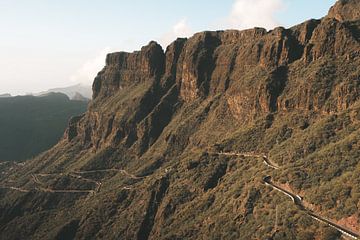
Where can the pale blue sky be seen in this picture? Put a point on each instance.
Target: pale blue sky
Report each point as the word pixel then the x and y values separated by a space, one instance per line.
pixel 46 44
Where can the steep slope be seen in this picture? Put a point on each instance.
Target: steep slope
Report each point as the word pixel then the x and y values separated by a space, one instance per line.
pixel 152 158
pixel 30 125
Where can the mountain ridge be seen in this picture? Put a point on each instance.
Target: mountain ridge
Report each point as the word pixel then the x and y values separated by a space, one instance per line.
pixel 5 95
pixel 154 132
pixel 70 91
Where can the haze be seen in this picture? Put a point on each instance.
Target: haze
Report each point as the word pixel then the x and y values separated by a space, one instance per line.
pixel 49 44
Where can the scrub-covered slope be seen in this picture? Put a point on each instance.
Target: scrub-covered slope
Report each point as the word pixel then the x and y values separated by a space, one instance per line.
pixel 173 143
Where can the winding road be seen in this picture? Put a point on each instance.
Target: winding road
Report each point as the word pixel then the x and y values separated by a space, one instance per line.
pixel 13 163
pixel 299 203
pixel 297 200
pixel 42 187
pixel 15 188
pixel 266 160
pixel 123 171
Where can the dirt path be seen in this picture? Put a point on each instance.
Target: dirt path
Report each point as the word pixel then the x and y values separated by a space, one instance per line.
pixel 42 187
pixel 15 188
pixel 266 160
pixel 297 200
pixel 123 171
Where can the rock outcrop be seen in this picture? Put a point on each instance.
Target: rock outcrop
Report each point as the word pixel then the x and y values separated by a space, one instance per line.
pixel 125 69
pixel 345 10
pixel 255 70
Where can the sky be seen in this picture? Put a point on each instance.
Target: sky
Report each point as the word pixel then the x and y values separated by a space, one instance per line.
pixel 47 44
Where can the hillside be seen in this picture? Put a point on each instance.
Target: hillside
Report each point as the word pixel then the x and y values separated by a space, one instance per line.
pixel 30 125
pixel 226 135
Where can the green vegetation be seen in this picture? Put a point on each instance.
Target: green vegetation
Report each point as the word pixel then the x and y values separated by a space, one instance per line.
pixel 30 125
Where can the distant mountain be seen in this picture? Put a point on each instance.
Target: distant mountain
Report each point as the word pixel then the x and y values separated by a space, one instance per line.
pixel 80 97
pixel 5 95
pixel 71 91
pixel 30 125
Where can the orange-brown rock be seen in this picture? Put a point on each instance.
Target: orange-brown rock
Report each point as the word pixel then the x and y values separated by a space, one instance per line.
pixel 345 10
pixel 257 72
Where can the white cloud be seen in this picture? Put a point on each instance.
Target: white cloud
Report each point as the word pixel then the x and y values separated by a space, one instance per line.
pixel 254 13
pixel 180 29
pixel 87 72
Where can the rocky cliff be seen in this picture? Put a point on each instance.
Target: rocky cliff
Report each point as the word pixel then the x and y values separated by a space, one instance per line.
pixel 145 161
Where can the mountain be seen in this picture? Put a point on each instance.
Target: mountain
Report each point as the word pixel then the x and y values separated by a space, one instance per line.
pixel 30 125
pixel 71 91
pixel 5 95
pixel 79 97
pixel 226 135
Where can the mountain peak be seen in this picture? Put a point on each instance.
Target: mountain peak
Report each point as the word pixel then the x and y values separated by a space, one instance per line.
pixel 345 10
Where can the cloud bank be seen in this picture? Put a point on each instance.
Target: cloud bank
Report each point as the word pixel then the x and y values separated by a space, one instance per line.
pixel 244 14
pixel 180 29
pixel 254 13
pixel 87 72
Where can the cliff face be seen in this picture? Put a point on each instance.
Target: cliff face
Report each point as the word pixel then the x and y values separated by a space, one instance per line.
pixel 148 146
pixel 345 10
pixel 125 69
pixel 256 72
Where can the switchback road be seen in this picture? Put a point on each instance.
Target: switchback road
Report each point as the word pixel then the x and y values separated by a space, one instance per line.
pixel 297 200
